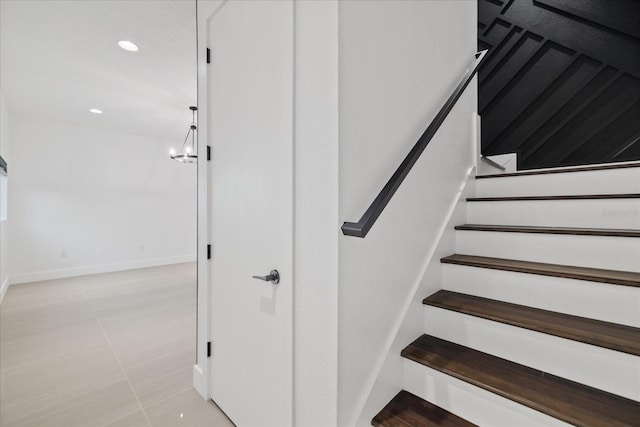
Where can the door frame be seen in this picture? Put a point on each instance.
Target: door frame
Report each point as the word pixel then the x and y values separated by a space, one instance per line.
pixel 204 10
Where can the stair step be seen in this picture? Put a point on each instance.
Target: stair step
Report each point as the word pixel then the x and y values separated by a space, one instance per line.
pixel 616 212
pixel 563 399
pixel 595 332
pixel 588 247
pixel 551 230
pixel 625 278
pixel 624 179
pixel 602 301
pixel 561 197
pixel 407 409
pixel 563 170
pixel 605 369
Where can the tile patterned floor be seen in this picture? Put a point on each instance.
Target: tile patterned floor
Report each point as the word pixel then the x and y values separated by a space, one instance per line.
pixel 112 349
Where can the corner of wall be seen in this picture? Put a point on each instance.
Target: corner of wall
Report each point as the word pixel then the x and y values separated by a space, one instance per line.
pixel 316 216
pixel 200 381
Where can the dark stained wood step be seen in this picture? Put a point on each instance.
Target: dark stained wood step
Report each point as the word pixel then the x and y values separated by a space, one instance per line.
pixel 566 400
pixel 625 278
pixel 568 197
pixel 595 332
pixel 407 409
pixel 551 230
pixel 562 170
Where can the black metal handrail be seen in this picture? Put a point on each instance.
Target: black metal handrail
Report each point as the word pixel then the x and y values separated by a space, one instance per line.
pixel 362 227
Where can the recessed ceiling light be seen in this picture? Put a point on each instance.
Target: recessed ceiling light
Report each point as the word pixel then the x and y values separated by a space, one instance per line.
pixel 127 45
pixel 95 111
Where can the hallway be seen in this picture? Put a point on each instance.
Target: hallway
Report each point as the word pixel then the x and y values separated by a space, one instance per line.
pixel 112 349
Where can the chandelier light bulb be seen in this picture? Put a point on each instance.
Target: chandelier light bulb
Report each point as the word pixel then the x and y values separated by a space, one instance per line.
pixel 188 149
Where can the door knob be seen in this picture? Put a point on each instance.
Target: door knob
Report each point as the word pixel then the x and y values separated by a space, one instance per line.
pixel 273 277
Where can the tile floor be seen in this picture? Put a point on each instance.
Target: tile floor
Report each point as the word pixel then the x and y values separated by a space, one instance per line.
pixel 112 349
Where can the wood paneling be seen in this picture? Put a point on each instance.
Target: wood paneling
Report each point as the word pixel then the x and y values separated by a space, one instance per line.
pixel 561 84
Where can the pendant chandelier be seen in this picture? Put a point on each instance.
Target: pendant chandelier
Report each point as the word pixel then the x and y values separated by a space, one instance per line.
pixel 188 151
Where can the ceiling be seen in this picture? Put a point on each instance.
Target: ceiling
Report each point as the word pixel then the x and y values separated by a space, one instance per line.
pixel 60 58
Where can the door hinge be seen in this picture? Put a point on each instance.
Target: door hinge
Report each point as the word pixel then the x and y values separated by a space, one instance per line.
pixel 208 56
pixel 208 152
pixel 208 348
pixel 208 251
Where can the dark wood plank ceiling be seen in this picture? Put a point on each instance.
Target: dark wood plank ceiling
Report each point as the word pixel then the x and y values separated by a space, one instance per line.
pixel 561 83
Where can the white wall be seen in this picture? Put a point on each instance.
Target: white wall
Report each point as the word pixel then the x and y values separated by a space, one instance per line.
pixel 4 225
pixel 317 223
pixel 399 61
pixel 84 200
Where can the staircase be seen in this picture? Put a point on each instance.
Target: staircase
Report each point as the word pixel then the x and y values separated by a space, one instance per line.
pixel 538 319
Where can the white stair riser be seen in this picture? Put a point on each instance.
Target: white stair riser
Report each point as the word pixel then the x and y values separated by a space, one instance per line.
pixel 598 367
pixel 591 213
pixel 601 301
pixel 472 403
pixel 626 180
pixel 614 253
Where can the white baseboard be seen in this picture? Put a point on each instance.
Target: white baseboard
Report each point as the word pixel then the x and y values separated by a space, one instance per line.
pixel 97 269
pixel 3 288
pixel 200 381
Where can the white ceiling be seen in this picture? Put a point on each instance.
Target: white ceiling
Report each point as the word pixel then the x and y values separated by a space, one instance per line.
pixel 59 58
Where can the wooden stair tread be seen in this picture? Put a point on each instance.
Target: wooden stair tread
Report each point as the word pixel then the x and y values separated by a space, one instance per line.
pixel 561 197
pixel 407 409
pixel 562 170
pixel 595 332
pixel 551 230
pixel 566 400
pixel 625 278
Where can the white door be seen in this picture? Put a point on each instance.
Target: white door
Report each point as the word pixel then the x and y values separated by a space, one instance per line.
pixel 250 122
